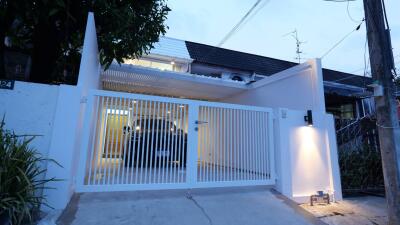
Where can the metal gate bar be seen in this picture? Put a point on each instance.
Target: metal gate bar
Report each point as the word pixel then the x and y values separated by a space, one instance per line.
pixel 138 142
pixel 233 145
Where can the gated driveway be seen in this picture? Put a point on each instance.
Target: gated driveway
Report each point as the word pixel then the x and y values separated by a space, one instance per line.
pixel 216 206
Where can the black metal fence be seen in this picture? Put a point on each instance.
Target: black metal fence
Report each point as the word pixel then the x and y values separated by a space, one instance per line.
pixel 359 156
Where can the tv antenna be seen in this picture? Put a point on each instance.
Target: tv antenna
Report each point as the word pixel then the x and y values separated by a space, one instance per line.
pixel 299 52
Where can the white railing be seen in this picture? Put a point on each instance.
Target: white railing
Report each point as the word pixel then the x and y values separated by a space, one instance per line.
pixel 233 145
pixel 134 141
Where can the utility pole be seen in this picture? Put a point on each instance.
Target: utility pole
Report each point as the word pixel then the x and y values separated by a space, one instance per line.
pixel 381 59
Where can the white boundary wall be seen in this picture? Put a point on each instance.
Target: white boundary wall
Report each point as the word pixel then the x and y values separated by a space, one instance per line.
pixel 50 111
pixel 30 109
pixel 306 157
pixel 299 88
pixel 63 146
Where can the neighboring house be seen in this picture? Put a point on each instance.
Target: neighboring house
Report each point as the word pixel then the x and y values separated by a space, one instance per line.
pixel 185 116
pixel 346 96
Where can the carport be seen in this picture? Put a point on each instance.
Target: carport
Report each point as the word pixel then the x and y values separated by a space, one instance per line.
pixel 140 139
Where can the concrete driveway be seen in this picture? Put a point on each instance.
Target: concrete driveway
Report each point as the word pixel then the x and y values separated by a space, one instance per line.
pixel 217 206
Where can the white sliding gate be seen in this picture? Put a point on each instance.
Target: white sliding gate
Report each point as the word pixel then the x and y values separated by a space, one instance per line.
pixel 138 142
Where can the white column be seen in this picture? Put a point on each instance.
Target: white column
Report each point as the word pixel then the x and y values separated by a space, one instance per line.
pixel 192 144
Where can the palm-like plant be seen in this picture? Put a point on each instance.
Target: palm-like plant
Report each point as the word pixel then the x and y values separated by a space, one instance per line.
pixel 21 177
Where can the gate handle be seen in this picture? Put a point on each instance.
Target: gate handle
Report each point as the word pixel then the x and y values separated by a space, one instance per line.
pixel 201 122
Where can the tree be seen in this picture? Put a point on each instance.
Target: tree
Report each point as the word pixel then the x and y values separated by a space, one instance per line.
pixel 8 14
pixel 54 31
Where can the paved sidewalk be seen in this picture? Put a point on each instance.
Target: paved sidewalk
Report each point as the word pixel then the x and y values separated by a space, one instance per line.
pixel 367 210
pixel 218 206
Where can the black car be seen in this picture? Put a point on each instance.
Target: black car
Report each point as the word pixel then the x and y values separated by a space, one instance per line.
pixel 155 142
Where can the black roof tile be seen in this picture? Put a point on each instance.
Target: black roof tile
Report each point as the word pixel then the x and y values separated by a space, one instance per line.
pixel 260 64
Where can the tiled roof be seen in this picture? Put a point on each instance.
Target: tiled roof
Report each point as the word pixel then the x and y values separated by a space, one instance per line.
pixel 260 64
pixel 345 78
pixel 171 47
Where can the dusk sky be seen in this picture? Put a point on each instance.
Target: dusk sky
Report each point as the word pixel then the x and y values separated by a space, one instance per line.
pixel 320 24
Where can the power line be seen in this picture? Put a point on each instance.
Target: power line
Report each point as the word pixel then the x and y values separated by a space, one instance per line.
pixel 349 14
pixel 385 15
pixel 365 68
pixel 341 40
pixel 256 12
pixel 242 21
pixel 366 64
pixel 233 30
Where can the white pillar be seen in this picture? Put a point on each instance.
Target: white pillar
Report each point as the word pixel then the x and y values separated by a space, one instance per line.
pixel 192 143
pixel 68 122
pixel 89 70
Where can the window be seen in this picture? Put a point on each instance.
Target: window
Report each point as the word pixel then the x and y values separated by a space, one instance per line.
pixel 342 111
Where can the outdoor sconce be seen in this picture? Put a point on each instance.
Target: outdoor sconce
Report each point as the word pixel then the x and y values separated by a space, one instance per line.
pixel 309 118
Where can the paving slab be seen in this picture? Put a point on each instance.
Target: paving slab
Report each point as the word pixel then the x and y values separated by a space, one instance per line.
pixel 366 210
pixel 216 206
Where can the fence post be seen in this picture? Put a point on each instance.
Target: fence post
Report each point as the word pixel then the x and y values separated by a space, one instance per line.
pixel 191 166
pixel 271 145
pixel 87 108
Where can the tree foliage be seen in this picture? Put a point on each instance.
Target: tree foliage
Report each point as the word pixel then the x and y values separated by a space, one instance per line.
pixel 360 168
pixel 52 31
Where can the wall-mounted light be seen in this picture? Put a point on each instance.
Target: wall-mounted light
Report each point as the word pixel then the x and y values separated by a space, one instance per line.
pixel 308 118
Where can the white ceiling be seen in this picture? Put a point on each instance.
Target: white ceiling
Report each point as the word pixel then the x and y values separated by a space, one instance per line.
pixel 129 78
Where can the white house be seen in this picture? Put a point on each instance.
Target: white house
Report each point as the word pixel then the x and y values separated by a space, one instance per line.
pixel 150 124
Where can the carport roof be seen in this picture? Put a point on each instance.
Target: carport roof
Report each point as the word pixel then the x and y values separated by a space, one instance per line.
pixel 130 78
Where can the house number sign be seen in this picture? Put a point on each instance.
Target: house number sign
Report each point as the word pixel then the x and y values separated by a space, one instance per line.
pixel 7 84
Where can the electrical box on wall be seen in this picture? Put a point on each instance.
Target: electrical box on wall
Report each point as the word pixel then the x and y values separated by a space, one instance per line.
pixel 378 89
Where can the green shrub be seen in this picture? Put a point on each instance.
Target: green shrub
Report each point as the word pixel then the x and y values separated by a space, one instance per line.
pixel 360 168
pixel 21 177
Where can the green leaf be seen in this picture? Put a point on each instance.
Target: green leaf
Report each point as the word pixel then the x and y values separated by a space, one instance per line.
pixel 20 176
pixel 53 11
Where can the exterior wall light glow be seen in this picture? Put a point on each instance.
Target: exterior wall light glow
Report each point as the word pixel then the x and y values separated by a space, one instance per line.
pixel 309 118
